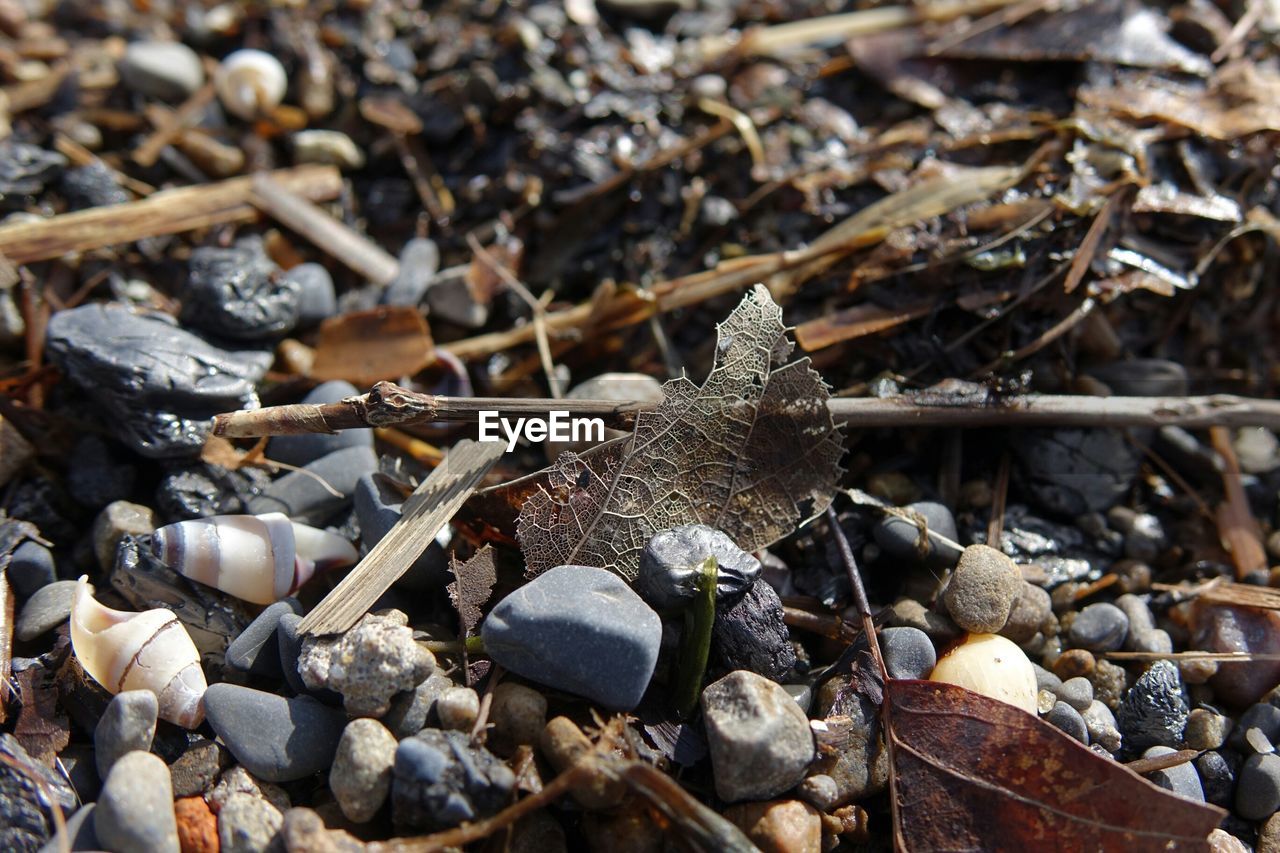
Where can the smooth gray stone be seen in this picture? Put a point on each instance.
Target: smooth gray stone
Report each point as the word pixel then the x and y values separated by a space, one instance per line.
pixel 127 725
pixel 668 575
pixel 899 537
pixel 80 834
pixel 1181 779
pixel 161 69
pixel 48 608
pixel 419 261
pixel 317 300
pixel 276 739
pixel 1067 719
pixel 299 496
pixel 1262 716
pixel 1099 628
pixel 257 649
pixel 302 450
pixel 30 568
pixel 578 629
pixel 908 652
pixel 758 737
pixel 135 808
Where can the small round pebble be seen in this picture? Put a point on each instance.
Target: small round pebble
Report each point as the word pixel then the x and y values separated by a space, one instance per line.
pixel 317 299
pixel 1031 609
pixel 458 708
pixel 982 590
pixel 361 774
pixel 1073 663
pixel 1068 720
pixel 48 608
pixel 128 724
pixel 135 808
pixel 1076 692
pixel 1109 682
pixel 197 826
pixel 783 825
pixel 30 568
pixel 248 824
pixel 1101 724
pixel 1099 628
pixel 161 69
pixel 257 648
pixel 1046 680
pixel 1206 730
pixel 1218 776
pixel 901 538
pixel 1258 792
pixel 1262 716
pixel 410 711
pixel 1181 779
pixel 908 652
pixel 419 261
pixel 518 714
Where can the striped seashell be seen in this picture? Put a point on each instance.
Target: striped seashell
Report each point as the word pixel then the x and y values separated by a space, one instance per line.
pixel 256 558
pixel 150 650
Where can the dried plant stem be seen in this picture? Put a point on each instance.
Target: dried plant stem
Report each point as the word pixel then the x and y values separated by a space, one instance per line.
pixel 388 405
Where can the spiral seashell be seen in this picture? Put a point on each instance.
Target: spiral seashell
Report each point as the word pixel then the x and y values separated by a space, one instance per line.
pixel 256 558
pixel 250 83
pixel 150 650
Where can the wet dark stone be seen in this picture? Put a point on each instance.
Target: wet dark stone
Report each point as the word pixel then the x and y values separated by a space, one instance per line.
pixel 98 473
pixel 751 635
pixel 441 780
pixel 204 490
pixel 30 568
pixel 1154 712
pixel 155 385
pixel 668 575
pixel 24 170
pixel 239 293
pixel 1073 471
pixel 1218 772
pixel 94 185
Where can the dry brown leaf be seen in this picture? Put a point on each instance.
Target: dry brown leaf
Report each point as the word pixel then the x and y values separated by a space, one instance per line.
pixel 367 346
pixel 41 728
pixel 472 585
pixel 753 451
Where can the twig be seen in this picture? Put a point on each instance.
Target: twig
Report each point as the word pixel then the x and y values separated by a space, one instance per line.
pixel 169 124
pixel 388 404
pixel 166 212
pixel 859 593
pixel 356 251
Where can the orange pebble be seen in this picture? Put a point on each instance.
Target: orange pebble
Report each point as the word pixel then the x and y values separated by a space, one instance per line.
pixel 197 827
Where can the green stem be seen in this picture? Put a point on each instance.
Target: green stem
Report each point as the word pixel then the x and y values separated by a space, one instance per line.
pixel 475 646
pixel 695 641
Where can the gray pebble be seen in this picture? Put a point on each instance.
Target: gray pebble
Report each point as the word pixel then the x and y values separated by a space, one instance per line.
pixel 30 568
pixel 289 638
pixel 578 629
pixel 316 297
pixel 167 70
pixel 1143 634
pixel 299 496
pixel 1031 610
pixel 361 774
pixel 410 712
pixel 758 737
pixel 1099 628
pixel 1153 712
pixel 450 299
pixel 1262 716
pixel 802 693
pixel 1258 792
pixel 1206 730
pixel 135 808
pixel 440 780
pixel 1068 719
pixel 1070 472
pixel 908 652
pixel 982 589
pixel 518 714
pixel 195 770
pixel 249 824
pixel 128 724
pixel 1046 680
pixel 668 574
pixel 48 608
pixel 1101 724
pixel 1076 692
pixel 901 538
pixel 257 648
pixel 1218 776
pixel 458 708
pixel 419 261
pixel 275 738
pixel 302 450
pixel 1181 779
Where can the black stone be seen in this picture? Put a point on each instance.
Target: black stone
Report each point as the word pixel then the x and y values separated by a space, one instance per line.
pixel 751 635
pixel 98 473
pixel 1218 776
pixel 204 490
pixel 1154 711
pixel 239 293
pixel 1073 471
pixel 440 780
pixel 94 185
pixel 1263 716
pixel 901 539
pixel 24 170
pixel 30 569
pixel 669 566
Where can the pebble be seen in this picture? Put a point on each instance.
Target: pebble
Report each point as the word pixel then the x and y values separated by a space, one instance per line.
pixel 1068 719
pixel 48 608
pixel 196 769
pixel 112 524
pixel 361 774
pixel 982 589
pixel 167 70
pixel 419 262
pixel 758 737
pixel 450 299
pixel 1109 682
pixel 378 506
pixel 781 826
pixel 668 576
pixel 458 708
pixel 410 712
pixel 1222 841
pixel 1143 634
pixel 860 767
pixel 1239 629
pixel 1099 628
pixel 256 649
pixel 302 450
pixel 908 652
pixel 238 292
pixel 1144 377
pixel 751 634
pixel 197 826
pixel 1257 449
pixel 1262 716
pixel 247 824
pixel 578 629
pixel 1154 712
pixel 900 538
pixel 440 780
pixel 563 744
pixel 238 780
pixel 299 496
pixel 909 613
pixel 135 808
pixel 1070 472
pixel 330 147
pixel 991 665
pixel 1030 612
pixel 79 833
pixel 1046 680
pixel 1076 692
pixel 1181 779
pixel 304 832
pixel 1218 776
pixel 1101 724
pixel 275 738
pixel 93 185
pixel 30 568
pixel 127 725
pixel 367 665
pixel 1258 792
pixel 158 406
pixel 518 715
pixel 1206 730
pixel 317 299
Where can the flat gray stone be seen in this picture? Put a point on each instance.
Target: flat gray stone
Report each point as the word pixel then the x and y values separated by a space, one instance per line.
pixel 301 497
pixel 581 630
pixel 135 808
pixel 1181 779
pixel 128 724
pixel 759 738
pixel 30 568
pixel 45 610
pixel 275 738
pixel 257 648
pixel 167 70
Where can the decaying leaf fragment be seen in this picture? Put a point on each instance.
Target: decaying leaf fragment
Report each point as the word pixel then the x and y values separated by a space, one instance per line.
pixel 471 587
pixel 972 773
pixel 753 451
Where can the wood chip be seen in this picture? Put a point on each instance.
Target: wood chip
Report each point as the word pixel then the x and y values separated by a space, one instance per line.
pixel 367 346
pixel 426 512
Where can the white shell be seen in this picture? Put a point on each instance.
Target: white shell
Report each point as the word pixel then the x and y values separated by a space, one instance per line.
pixel 257 558
pixel 139 651
pixel 250 83
pixel 993 666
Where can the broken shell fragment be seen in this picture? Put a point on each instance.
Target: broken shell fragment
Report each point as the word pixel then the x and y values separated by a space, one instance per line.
pixel 250 83
pixel 991 665
pixel 150 650
pixel 256 558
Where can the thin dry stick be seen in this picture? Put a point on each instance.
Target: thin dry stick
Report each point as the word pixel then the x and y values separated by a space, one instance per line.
pixel 388 404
